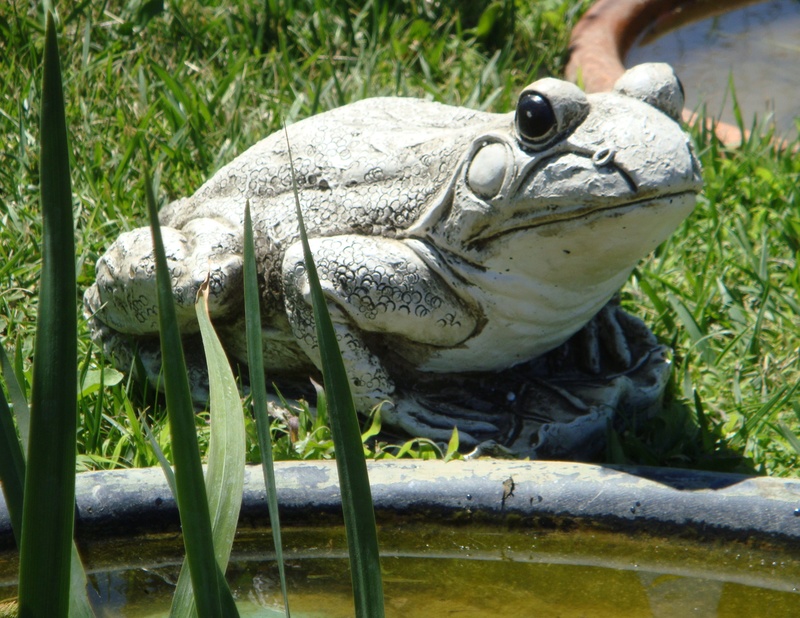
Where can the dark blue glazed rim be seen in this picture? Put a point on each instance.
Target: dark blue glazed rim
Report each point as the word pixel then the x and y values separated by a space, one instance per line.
pixel 662 501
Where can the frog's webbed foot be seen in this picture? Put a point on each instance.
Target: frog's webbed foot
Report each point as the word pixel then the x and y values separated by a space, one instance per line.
pixel 612 342
pixel 613 370
pixel 604 341
pixel 417 417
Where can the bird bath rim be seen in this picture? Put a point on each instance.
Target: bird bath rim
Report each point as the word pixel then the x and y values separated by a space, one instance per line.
pixel 664 501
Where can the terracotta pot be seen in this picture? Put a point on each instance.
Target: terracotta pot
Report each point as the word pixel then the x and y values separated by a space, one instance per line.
pixel 606 32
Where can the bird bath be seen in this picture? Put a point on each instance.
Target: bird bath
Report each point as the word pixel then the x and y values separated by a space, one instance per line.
pixel 476 538
pixel 755 45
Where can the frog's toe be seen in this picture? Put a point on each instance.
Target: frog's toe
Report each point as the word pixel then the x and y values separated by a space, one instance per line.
pixel 613 342
pixel 449 415
pixel 613 336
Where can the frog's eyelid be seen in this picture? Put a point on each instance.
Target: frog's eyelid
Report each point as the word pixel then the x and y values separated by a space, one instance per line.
pixel 569 106
pixel 536 147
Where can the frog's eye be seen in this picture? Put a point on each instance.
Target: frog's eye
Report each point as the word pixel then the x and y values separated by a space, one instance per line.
pixel 656 84
pixel 535 119
pixel 681 88
pixel 547 109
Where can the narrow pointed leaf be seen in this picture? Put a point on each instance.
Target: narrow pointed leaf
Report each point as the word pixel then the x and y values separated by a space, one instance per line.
pixel 192 501
pixel 49 502
pixel 18 400
pixel 226 458
pixel 12 481
pixel 452 446
pixel 359 515
pixel 166 468
pixel 258 390
pixel 12 467
pixel 694 330
pixel 79 605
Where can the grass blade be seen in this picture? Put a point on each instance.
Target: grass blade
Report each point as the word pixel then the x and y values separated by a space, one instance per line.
pixel 693 328
pixel 192 500
pixel 49 502
pixel 161 457
pixel 18 400
pixel 359 515
pixel 789 436
pixel 258 390
pixel 226 458
pixel 12 467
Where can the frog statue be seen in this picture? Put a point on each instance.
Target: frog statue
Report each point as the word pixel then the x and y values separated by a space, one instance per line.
pixel 470 260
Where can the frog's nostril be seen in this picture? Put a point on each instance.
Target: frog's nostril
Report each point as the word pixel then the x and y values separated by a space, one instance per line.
pixel 604 156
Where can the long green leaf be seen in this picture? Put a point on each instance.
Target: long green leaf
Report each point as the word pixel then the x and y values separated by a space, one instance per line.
pixel 166 468
pixel 12 481
pixel 693 328
pixel 226 456
pixel 258 390
pixel 79 606
pixel 49 503
pixel 192 501
pixel 790 436
pixel 359 515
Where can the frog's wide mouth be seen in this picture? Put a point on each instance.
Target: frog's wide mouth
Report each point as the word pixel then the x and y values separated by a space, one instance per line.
pixel 681 202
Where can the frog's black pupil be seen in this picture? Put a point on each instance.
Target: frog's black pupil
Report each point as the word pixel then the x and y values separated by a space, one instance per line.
pixel 535 116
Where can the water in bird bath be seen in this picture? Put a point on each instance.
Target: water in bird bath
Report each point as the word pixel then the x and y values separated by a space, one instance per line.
pixel 758 45
pixel 466 570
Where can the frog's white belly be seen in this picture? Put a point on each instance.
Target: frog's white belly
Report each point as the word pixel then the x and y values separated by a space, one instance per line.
pixel 565 272
pixel 518 329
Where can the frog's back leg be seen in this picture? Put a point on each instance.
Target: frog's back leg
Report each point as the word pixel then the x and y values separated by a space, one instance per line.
pixel 124 295
pixel 122 305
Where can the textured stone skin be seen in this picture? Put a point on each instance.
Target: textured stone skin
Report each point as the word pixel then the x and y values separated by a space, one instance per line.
pixel 448 241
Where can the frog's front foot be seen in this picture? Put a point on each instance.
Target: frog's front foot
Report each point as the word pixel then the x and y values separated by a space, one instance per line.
pixel 612 343
pixel 605 341
pixel 418 417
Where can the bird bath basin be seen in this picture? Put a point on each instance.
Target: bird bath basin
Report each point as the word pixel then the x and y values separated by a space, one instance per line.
pixel 709 42
pixel 468 538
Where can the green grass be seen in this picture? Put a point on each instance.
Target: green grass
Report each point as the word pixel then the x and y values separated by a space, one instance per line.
pixel 196 85
pixel 724 291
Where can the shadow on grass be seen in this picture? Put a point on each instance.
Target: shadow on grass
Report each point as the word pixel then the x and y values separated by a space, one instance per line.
pixel 676 437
